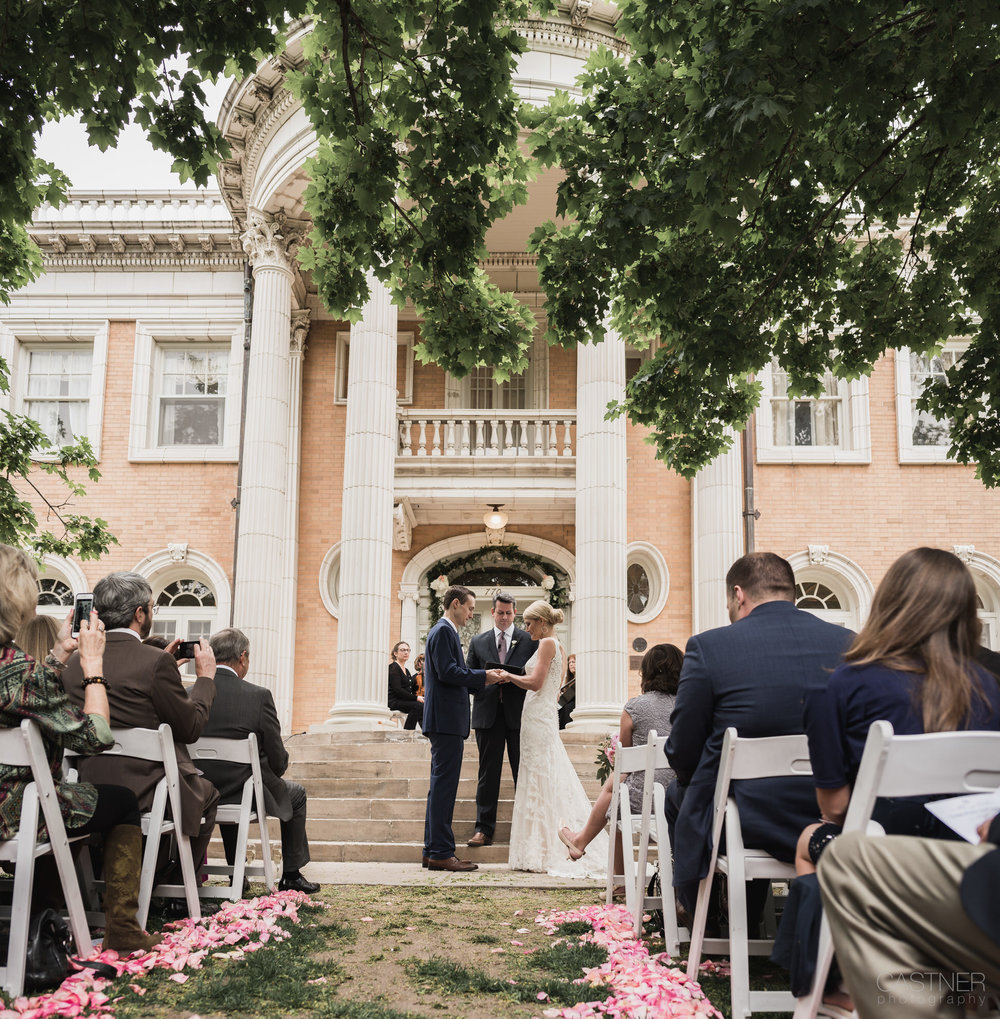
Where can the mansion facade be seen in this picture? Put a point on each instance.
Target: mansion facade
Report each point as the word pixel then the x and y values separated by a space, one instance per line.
pixel 312 482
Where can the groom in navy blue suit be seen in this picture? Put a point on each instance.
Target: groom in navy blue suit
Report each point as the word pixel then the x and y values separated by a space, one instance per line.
pixel 447 682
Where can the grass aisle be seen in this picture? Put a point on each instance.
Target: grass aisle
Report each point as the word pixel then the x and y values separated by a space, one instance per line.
pixel 389 953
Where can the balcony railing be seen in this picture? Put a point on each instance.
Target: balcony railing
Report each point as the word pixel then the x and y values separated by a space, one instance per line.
pixel 486 433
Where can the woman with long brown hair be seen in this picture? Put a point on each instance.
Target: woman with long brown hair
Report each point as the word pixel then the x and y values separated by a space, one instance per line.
pixel 913 664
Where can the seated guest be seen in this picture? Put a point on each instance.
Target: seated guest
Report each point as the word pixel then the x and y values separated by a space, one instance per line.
pixel 418 674
pixel 567 693
pixel 659 674
pixel 913 664
pixel 37 636
pixel 752 675
pixel 403 694
pixel 31 687
pixel 239 709
pixel 145 690
pixel 915 922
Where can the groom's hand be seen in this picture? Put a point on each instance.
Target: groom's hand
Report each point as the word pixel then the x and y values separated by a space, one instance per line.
pixel 494 676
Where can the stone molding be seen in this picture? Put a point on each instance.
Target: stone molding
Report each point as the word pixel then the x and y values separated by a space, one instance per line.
pixel 270 241
pixel 299 330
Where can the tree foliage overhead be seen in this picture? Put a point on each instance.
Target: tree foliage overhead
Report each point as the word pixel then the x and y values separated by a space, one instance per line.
pixel 418 156
pixel 809 180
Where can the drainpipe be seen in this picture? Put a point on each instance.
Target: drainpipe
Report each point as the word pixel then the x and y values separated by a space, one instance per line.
pixel 750 512
pixel 235 501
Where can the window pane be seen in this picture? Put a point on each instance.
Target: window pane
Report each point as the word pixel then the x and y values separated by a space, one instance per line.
pixel 192 411
pixel 637 589
pixel 191 422
pixel 57 393
pixel 924 368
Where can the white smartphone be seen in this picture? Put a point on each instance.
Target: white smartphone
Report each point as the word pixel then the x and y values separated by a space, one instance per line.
pixel 83 604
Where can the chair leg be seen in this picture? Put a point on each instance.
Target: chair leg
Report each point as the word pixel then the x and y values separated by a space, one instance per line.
pixel 739 940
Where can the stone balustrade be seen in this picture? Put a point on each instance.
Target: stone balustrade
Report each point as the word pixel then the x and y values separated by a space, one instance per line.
pixel 486 433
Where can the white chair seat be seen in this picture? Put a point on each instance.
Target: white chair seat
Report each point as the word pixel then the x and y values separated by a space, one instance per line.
pixel 23 748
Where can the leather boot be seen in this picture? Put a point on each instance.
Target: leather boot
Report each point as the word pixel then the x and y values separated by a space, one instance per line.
pixel 122 864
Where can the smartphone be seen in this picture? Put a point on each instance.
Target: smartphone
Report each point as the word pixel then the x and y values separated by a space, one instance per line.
pixel 186 649
pixel 83 603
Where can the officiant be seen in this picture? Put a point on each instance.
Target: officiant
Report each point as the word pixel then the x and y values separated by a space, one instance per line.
pixel 496 710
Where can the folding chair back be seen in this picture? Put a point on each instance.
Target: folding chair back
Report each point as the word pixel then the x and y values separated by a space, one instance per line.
pixel 627 760
pixel 23 748
pixel 250 809
pixel 157 745
pixel 931 764
pixel 744 759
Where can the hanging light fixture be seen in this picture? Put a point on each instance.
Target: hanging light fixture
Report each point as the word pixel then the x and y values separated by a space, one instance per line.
pixel 495 521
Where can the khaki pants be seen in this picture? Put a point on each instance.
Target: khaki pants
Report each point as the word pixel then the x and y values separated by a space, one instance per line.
pixel 904 943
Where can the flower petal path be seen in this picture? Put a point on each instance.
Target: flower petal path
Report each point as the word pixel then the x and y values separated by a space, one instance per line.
pixel 237 929
pixel 642 985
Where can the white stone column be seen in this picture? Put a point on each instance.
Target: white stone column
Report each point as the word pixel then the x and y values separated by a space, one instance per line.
pixel 599 608
pixel 262 543
pixel 285 691
pixel 716 535
pixel 363 638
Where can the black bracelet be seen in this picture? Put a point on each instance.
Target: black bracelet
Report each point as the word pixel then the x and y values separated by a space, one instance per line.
pixel 99 680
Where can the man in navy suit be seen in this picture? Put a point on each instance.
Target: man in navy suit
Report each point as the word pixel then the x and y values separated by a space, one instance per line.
pixel 447 682
pixel 752 675
pixel 915 922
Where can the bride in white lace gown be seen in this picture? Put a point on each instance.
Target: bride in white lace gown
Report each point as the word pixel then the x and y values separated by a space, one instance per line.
pixel 549 792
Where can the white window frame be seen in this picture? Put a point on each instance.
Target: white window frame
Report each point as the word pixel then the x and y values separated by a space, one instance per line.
pixel 908 453
pixel 19 338
pixel 151 337
pixel 855 428
pixel 458 391
pixel 404 392
pixel 650 558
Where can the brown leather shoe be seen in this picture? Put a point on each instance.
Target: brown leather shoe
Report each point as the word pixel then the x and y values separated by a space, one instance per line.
pixel 480 839
pixel 424 860
pixel 452 863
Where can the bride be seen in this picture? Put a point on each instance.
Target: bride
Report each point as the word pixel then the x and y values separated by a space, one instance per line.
pixel 549 794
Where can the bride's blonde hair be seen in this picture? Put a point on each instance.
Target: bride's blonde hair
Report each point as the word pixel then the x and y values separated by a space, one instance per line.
pixel 545 612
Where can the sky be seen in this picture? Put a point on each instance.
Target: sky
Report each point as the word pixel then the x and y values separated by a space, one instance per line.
pixel 133 164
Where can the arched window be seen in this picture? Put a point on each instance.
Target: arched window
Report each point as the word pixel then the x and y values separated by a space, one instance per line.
pixel 647 582
pixel 820 598
pixel 988 606
pixel 185 608
pixel 58 580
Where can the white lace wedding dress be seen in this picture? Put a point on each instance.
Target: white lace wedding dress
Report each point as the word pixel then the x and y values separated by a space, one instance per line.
pixel 549 793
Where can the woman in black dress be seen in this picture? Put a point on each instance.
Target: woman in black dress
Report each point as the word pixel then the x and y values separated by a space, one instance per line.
pixel 403 694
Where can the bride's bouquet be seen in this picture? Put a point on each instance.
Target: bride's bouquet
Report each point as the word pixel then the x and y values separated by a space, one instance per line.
pixel 605 759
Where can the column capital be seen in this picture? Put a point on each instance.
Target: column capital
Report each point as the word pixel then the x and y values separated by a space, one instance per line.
pixel 299 330
pixel 271 242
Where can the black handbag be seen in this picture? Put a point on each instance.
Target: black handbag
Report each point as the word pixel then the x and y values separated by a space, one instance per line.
pixel 47 956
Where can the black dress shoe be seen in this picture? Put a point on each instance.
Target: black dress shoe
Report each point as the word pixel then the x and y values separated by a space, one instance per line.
pixel 452 863
pixel 298 883
pixel 177 909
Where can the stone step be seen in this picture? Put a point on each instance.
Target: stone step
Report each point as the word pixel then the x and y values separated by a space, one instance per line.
pixel 390 831
pixel 394 809
pixel 398 852
pixel 382 735
pixel 403 752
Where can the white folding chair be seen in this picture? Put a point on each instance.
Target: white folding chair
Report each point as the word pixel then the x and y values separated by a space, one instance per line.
pixel 652 825
pixel 627 760
pixel 933 764
pixel 23 748
pixel 744 759
pixel 249 810
pixel 158 745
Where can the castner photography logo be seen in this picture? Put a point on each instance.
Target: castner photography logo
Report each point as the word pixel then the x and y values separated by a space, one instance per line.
pixel 966 990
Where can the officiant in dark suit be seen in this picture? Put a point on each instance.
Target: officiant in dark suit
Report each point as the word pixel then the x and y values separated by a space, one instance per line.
pixel 496 710
pixel 241 708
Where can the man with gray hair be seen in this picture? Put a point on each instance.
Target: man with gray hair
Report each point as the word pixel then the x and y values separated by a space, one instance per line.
pixel 242 708
pixel 145 690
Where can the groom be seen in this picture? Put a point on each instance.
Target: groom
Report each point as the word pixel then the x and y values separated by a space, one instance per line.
pixel 447 681
pixel 496 711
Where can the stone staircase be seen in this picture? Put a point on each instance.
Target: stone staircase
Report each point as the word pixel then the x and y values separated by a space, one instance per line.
pixel 367 793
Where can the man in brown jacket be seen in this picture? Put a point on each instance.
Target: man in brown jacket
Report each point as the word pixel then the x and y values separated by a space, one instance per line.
pixel 145 690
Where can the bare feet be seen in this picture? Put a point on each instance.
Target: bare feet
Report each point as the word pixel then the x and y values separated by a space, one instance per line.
pixel 566 838
pixel 837 1004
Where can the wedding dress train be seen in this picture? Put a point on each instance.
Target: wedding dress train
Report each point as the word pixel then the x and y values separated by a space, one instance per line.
pixel 549 792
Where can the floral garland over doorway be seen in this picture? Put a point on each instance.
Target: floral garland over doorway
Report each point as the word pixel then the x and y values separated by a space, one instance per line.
pixel 436 578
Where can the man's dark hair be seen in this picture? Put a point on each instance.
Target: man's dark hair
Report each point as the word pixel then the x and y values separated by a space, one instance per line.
pixel 763 576
pixel 456 591
pixel 506 597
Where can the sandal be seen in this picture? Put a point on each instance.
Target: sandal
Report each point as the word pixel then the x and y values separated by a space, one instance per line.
pixel 574 851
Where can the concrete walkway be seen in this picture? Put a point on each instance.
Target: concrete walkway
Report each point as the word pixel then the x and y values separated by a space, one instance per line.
pixel 489 875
